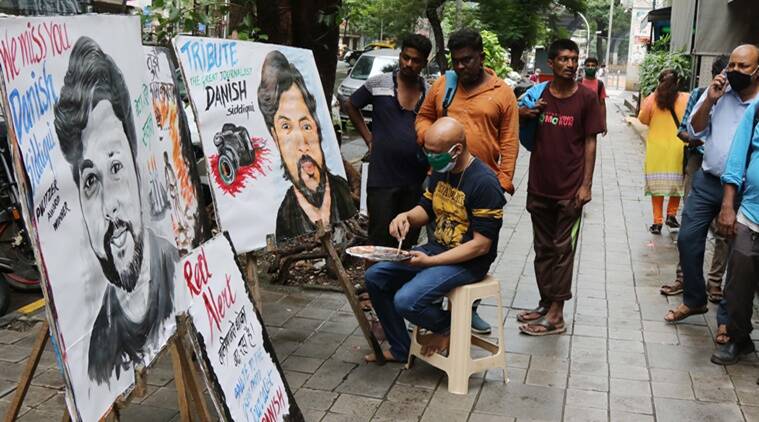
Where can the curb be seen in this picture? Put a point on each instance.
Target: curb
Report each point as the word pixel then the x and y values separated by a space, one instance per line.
pixel 26 311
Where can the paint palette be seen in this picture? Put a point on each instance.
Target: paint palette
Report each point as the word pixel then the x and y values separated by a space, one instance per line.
pixel 378 253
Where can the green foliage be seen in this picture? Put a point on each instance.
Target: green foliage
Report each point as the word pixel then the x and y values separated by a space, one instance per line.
pixel 382 19
pixel 524 22
pixel 658 60
pixel 662 44
pixel 455 19
pixel 597 12
pixel 495 54
pixel 170 18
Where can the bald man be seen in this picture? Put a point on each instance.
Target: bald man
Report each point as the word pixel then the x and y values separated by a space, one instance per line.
pixel 714 119
pixel 464 205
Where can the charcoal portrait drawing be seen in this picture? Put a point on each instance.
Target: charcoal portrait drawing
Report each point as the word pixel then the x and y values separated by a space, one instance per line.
pixel 95 126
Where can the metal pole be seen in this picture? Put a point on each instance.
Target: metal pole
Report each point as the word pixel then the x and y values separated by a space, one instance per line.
pixel 608 34
pixel 587 42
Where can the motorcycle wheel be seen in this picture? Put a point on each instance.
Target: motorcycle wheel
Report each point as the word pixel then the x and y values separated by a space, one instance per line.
pixel 5 298
pixel 21 283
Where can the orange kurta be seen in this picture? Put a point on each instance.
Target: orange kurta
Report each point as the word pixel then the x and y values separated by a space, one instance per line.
pixel 490 117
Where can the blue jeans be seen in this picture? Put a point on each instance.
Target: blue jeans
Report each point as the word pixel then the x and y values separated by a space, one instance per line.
pixel 701 207
pixel 400 291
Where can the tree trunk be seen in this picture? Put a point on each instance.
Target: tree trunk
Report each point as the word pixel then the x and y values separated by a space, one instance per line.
pixel 317 28
pixel 437 31
pixel 310 24
pixel 516 49
pixel 268 19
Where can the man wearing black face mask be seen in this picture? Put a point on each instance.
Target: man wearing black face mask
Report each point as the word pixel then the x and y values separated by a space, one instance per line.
pixel 714 120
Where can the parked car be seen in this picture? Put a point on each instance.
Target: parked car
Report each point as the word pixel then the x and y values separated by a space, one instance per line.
pixel 370 64
pixel 351 57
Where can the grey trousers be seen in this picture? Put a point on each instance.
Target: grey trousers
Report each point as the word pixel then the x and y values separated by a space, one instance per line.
pixel 721 246
pixel 742 283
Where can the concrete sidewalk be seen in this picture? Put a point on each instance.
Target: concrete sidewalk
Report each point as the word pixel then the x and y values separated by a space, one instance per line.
pixel 619 361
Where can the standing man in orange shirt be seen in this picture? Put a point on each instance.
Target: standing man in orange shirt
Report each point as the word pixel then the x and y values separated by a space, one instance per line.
pixel 487 108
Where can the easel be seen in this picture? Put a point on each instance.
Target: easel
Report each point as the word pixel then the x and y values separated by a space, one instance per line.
pixel 185 377
pixel 325 236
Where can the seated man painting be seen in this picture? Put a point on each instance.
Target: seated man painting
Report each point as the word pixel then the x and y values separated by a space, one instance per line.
pixel 464 205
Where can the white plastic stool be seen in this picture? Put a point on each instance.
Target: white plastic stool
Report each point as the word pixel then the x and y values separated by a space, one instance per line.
pixel 459 364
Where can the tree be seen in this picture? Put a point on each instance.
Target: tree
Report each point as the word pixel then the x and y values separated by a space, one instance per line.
pixel 520 24
pixel 598 15
pixel 383 19
pixel 465 16
pixel 310 24
pixel 432 11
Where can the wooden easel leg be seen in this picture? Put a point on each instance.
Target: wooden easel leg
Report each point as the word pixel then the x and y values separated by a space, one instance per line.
pixel 43 335
pixel 179 380
pixel 193 384
pixel 252 272
pixel 350 293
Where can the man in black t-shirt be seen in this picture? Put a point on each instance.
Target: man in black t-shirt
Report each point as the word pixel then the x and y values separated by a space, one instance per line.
pixel 464 206
pixel 397 166
pixel 561 175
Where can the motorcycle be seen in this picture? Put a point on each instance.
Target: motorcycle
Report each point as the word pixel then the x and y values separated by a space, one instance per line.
pixel 18 266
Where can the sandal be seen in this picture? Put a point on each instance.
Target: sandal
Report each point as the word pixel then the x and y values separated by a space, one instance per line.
pixel 672 289
pixel 722 337
pixel 682 312
pixel 540 310
pixel 714 295
pixel 550 328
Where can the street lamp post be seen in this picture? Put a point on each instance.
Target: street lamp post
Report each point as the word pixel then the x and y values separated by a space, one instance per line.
pixel 608 33
pixel 587 26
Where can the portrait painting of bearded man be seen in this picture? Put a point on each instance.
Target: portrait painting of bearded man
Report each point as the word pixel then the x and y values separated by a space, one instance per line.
pixel 289 111
pixel 95 127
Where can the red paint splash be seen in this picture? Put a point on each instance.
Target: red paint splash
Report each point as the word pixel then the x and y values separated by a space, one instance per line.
pixel 259 167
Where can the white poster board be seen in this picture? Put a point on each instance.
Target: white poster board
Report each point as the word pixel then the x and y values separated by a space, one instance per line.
pixel 86 150
pixel 241 366
pixel 273 159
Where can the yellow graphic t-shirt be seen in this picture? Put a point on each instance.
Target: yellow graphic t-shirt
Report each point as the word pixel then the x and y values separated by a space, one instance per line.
pixel 458 207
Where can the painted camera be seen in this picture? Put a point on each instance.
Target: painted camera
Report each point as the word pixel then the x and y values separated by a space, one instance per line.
pixel 233 144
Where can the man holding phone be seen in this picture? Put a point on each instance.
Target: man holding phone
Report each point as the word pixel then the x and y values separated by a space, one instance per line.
pixel 694 156
pixel 714 120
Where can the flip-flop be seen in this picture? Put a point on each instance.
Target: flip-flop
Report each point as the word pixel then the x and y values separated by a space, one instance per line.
pixel 679 315
pixel 551 329
pixel 539 310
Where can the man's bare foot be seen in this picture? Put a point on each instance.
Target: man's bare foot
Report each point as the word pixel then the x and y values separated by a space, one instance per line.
pixel 371 358
pixel 434 343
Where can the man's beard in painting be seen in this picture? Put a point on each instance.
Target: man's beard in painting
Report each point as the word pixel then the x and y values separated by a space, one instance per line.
pixel 316 197
pixel 127 277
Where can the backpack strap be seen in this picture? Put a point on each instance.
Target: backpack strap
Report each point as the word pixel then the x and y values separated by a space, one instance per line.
pixel 674 117
pixel 451 82
pixel 600 88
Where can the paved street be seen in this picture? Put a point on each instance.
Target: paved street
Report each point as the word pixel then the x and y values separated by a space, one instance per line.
pixel 619 361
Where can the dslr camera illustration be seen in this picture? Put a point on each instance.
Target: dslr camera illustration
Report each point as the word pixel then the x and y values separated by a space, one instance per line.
pixel 233 144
